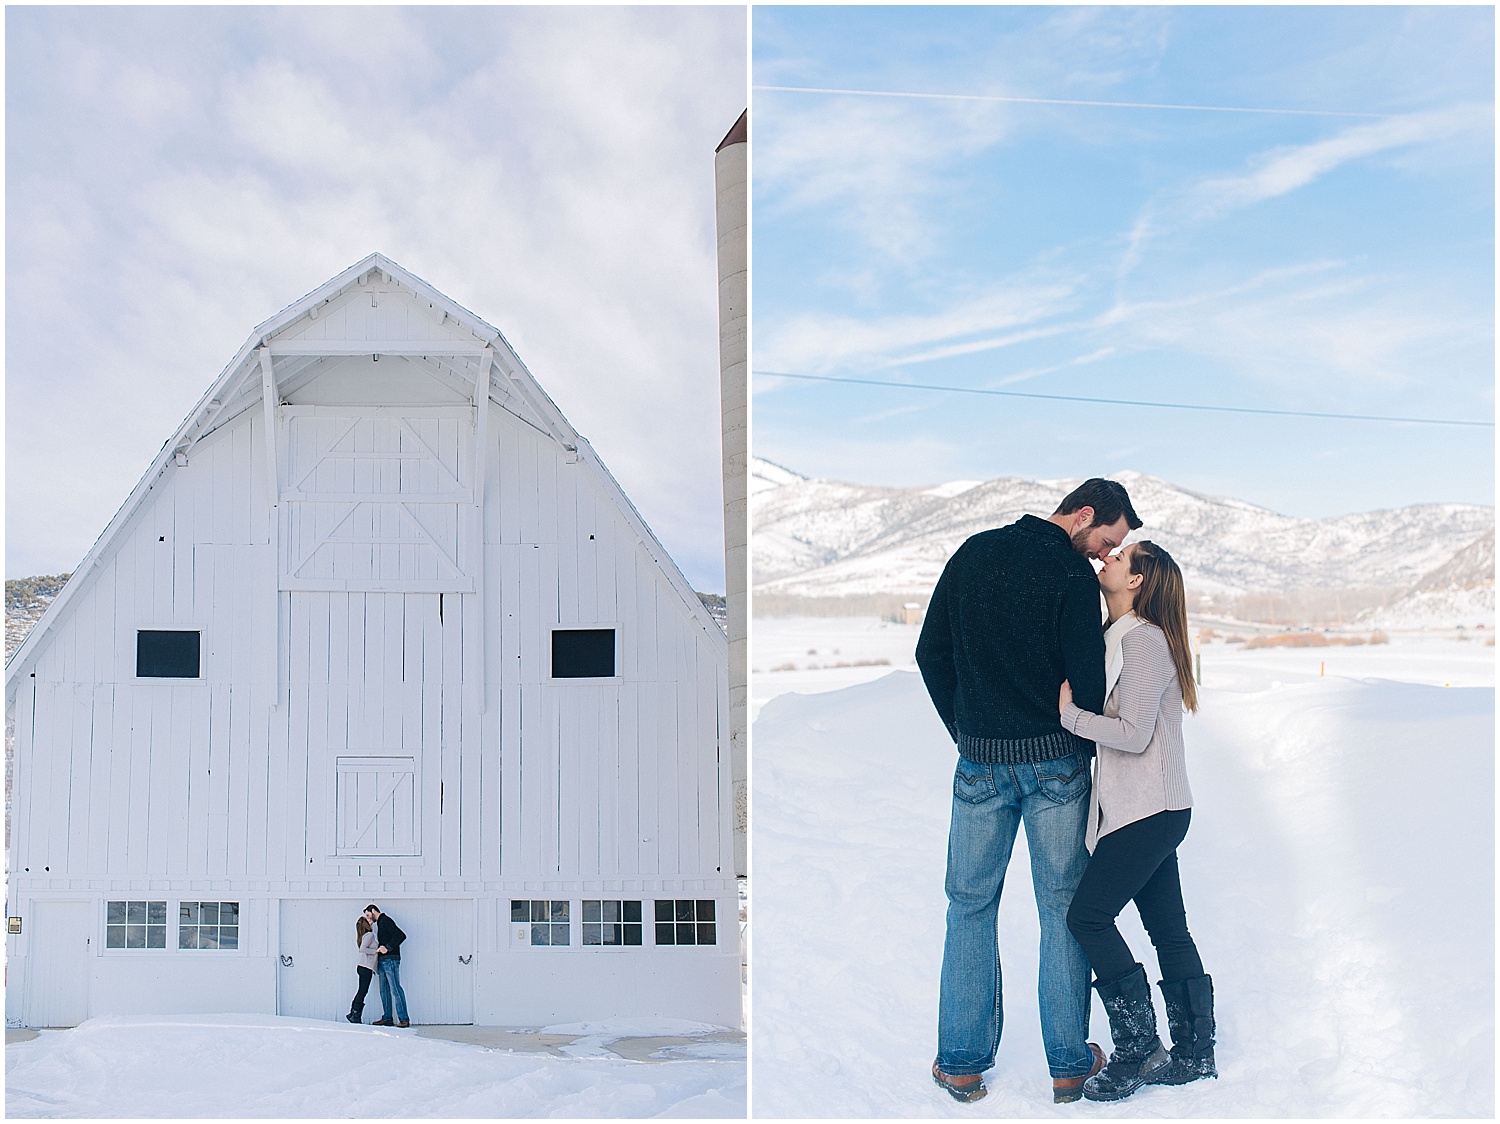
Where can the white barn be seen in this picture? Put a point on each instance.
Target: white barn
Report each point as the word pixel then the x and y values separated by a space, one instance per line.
pixel 376 625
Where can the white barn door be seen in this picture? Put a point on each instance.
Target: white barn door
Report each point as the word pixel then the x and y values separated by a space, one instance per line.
pixel 316 967
pixel 59 961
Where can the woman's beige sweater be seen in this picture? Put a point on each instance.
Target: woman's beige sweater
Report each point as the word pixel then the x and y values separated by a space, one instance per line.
pixel 367 956
pixel 1141 769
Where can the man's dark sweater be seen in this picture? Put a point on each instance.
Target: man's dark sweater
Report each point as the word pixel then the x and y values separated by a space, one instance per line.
pixel 389 934
pixel 1015 613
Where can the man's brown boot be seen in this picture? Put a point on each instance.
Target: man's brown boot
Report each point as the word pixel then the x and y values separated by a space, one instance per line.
pixel 1067 1089
pixel 965 1087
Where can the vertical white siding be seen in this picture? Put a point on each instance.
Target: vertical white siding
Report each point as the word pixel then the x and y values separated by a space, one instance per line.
pixel 522 785
pixel 203 779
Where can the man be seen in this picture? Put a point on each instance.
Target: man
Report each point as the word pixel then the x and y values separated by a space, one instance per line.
pixel 1016 612
pixel 388 936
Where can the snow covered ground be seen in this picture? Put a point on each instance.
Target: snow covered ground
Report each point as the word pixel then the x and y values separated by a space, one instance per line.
pixel 1339 878
pixel 253 1066
pixel 803 653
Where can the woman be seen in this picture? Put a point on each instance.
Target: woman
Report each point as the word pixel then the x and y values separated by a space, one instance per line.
pixel 364 935
pixel 1138 815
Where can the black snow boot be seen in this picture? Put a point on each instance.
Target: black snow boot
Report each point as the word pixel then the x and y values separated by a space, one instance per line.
pixel 1190 1018
pixel 1138 1054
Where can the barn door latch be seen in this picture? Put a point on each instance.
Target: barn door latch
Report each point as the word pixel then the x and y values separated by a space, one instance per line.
pixel 286 961
pixel 465 959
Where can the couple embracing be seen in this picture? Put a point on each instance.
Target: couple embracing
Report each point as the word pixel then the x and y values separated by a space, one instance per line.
pixel 1028 682
pixel 379 939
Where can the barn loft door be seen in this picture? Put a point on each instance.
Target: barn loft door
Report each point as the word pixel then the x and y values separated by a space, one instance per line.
pixel 378 499
pixel 377 806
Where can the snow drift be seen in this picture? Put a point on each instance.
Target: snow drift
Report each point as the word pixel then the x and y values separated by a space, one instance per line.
pixel 248 1066
pixel 1339 880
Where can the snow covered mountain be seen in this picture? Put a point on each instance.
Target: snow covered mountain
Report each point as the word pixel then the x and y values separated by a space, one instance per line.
pixel 822 538
pixel 1459 592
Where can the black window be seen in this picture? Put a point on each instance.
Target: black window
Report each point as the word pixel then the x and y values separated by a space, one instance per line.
pixel 685 921
pixel 166 655
pixel 583 653
pixel 610 922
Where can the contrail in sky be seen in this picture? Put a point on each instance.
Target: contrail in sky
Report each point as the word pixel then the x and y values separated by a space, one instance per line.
pixel 1067 101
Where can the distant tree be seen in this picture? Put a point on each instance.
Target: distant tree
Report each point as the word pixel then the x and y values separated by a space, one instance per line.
pixel 717 607
pixel 32 594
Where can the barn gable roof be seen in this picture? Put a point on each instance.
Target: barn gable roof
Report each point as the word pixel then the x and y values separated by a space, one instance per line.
pixel 238 387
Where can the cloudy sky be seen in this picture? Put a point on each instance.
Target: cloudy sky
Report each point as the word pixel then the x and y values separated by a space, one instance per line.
pixel 1337 262
pixel 175 175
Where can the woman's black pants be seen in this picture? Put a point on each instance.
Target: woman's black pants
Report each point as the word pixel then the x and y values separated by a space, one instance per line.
pixel 357 1008
pixel 1137 862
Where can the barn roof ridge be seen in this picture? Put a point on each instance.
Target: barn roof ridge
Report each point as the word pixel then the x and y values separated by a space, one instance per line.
pixel 243 365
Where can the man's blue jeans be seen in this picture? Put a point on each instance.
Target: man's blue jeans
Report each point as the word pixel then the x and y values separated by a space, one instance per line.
pixel 388 968
pixel 990 802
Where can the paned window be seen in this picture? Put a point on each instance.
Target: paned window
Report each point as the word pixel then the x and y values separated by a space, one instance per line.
pixel 548 920
pixel 583 653
pixel 685 921
pixel 608 922
pixel 135 925
pixel 208 925
pixel 166 655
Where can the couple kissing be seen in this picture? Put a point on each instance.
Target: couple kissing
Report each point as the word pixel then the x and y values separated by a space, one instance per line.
pixel 1034 687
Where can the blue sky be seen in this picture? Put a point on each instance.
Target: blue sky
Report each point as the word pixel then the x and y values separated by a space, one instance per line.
pixel 1280 261
pixel 175 175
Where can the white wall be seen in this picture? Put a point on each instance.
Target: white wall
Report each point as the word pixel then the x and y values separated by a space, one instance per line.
pixel 506 982
pixel 177 985
pixel 696 984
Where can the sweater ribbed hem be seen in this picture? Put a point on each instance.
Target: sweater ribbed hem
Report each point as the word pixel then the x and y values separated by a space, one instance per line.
pixel 1017 751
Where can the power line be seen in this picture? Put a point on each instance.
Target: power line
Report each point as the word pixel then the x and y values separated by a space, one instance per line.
pixel 1123 401
pixel 1069 101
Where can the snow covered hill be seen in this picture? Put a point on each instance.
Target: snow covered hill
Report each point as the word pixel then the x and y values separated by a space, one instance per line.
pixel 1461 591
pixel 26 599
pixel 1341 895
pixel 822 538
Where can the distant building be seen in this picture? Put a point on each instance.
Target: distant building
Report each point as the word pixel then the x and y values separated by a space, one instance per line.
pixel 377 625
pixel 911 612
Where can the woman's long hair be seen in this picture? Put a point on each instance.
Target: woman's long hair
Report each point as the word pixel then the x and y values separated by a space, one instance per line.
pixel 1162 601
pixel 361 927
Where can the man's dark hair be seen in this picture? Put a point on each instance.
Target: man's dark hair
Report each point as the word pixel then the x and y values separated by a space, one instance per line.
pixel 369 908
pixel 1108 498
